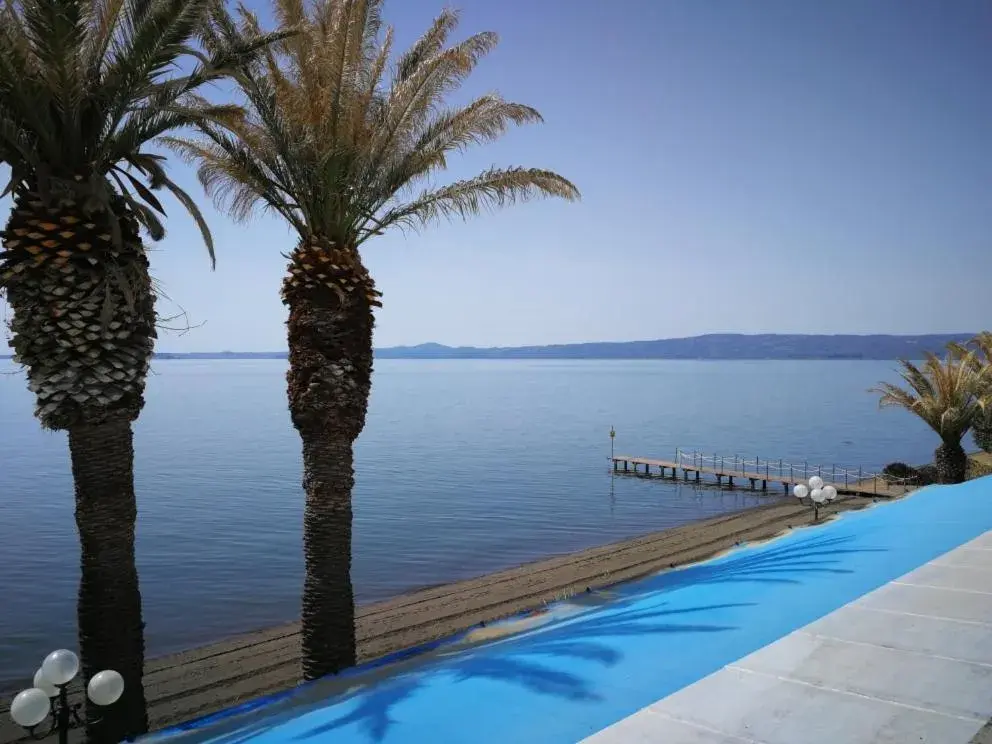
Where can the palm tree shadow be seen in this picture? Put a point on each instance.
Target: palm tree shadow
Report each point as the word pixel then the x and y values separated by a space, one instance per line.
pixel 513 661
pixel 787 564
pixel 541 661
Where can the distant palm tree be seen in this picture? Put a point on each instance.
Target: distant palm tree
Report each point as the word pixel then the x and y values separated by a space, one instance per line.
pixel 948 394
pixel 85 85
pixel 981 344
pixel 335 146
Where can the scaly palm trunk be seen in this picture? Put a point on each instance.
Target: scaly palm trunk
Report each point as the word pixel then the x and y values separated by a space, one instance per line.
pixel 83 326
pixel 330 297
pixel 951 462
pixel 111 631
pixel 328 612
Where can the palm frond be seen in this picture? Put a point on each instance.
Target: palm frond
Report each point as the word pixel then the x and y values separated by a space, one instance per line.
pixel 427 46
pixel 946 393
pixel 495 188
pixel 183 198
pixel 86 85
pixel 336 143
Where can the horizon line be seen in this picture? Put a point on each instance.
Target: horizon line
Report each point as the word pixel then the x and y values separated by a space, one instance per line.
pixel 632 341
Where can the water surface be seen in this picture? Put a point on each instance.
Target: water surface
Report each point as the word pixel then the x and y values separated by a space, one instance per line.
pixel 465 467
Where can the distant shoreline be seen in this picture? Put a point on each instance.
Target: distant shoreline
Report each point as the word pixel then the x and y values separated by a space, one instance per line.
pixel 729 346
pixel 242 357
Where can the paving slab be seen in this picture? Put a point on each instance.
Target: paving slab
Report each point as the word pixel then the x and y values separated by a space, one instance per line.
pixel 912 673
pixel 938 636
pixel 762 709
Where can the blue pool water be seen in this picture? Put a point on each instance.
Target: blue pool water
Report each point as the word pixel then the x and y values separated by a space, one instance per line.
pixel 575 676
pixel 465 467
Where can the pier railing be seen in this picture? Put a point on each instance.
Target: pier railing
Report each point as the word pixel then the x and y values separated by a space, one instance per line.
pixel 773 469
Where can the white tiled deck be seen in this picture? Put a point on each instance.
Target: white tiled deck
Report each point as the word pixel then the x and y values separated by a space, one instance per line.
pixel 909 662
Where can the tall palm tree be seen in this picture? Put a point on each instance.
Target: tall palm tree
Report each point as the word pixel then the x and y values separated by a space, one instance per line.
pixel 335 145
pixel 947 394
pixel 981 344
pixel 85 85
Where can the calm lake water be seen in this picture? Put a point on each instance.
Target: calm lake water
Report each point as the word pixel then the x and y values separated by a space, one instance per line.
pixel 465 467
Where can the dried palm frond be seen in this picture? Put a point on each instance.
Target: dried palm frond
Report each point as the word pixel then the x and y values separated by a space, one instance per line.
pixel 946 393
pixel 335 140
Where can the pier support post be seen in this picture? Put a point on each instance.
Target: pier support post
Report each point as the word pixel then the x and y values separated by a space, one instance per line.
pixel 730 481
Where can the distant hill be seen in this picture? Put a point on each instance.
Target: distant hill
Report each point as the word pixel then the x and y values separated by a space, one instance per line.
pixel 710 346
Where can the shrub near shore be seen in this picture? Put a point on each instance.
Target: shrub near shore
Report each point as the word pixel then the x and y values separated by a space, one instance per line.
pixel 979 465
pixel 949 395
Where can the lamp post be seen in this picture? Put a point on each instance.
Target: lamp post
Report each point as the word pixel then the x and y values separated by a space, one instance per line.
pixel 818 494
pixel 49 697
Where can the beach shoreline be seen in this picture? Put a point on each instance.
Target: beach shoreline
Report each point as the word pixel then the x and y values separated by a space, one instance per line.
pixel 203 680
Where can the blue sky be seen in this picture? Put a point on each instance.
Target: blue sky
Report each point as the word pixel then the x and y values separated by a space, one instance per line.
pixel 774 166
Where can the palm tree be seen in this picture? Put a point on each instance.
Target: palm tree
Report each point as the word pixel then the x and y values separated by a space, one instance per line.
pixel 981 344
pixel 85 85
pixel 947 394
pixel 336 146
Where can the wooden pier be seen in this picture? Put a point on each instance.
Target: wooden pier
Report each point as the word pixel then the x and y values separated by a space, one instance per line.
pixel 758 473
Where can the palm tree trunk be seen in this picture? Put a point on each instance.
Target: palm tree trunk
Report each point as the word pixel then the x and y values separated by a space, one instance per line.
pixel 330 298
pixel 951 462
pixel 111 630
pixel 328 598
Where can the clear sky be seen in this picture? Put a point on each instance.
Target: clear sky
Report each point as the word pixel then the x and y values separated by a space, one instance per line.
pixel 766 166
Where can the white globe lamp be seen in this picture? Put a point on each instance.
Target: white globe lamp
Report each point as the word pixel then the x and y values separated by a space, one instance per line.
pixel 800 491
pixel 49 697
pixel 815 482
pixel 30 707
pixel 106 687
pixel 829 493
pixel 59 667
pixel 41 683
